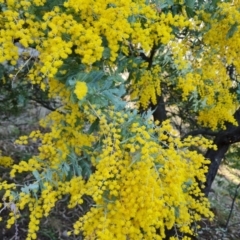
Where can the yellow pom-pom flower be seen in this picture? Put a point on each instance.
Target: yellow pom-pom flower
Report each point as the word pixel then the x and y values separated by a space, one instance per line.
pixel 6 161
pixel 81 90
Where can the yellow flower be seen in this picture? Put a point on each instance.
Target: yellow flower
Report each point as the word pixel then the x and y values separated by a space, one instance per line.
pixel 6 161
pixel 81 90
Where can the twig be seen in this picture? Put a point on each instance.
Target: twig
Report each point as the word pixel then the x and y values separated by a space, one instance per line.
pixel 21 68
pixel 232 206
pixel 231 210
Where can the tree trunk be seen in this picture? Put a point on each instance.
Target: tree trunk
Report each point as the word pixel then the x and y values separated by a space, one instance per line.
pixel 160 111
pixel 223 140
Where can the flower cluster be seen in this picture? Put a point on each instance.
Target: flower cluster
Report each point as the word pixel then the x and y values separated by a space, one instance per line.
pixel 5 161
pixel 138 185
pixel 142 178
pixel 147 88
pixel 81 90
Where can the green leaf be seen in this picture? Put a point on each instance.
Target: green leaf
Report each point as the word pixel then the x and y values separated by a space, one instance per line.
pixel 66 36
pixel 115 79
pixel 162 5
pixel 108 83
pixel 37 175
pixel 190 12
pixel 135 158
pixel 94 76
pixel 215 2
pixel 232 30
pixel 94 127
pixel 99 101
pixel 86 168
pixel 114 96
pixel 77 169
pixel 177 212
pixel 48 175
pixel 106 53
pixel 170 2
pixel 176 9
pixel 73 98
pixel 148 114
pixel 33 186
pixel 71 81
pixel 132 19
pixel 25 189
pixel 15 195
pixel 190 3
pixel 200 2
pixel 65 168
pixel 187 185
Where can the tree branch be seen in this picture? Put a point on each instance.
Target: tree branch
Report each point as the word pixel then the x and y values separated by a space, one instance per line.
pixel 223 141
pixel 152 53
pixel 43 103
pixel 200 131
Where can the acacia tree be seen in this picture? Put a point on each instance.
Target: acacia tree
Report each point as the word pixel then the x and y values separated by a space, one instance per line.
pixel 140 85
